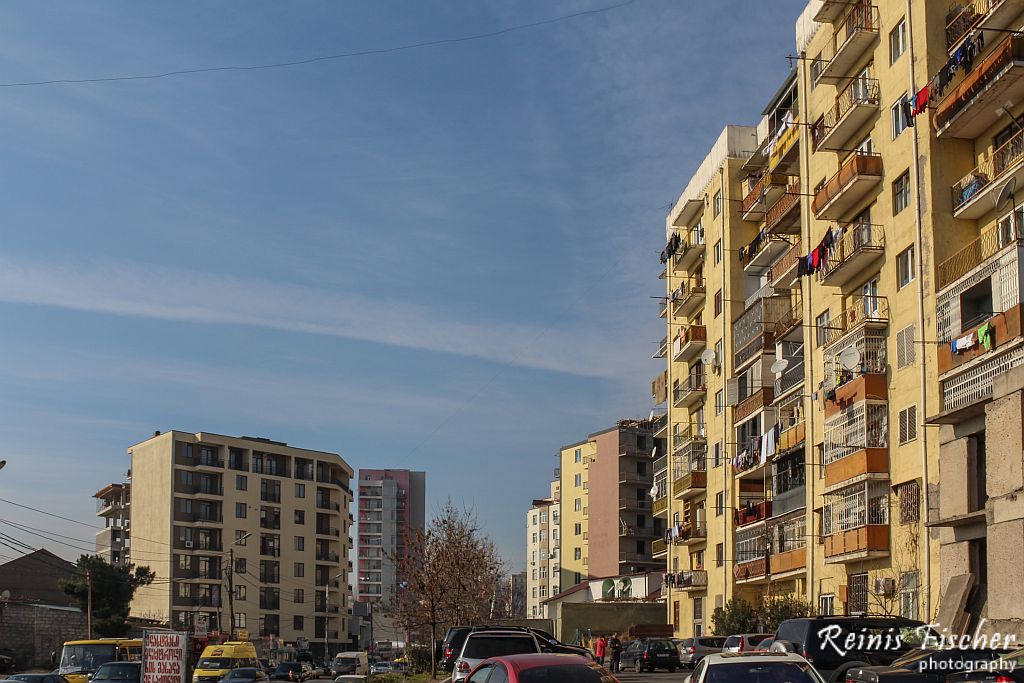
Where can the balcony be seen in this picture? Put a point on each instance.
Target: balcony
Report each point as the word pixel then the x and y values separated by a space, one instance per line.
pixel 974 194
pixel 854 389
pixel 861 247
pixel 684 436
pixel 831 10
pixel 689 343
pixel 662 348
pixel 854 107
pixel 857 33
pixel 633 477
pixel 659 549
pixel 663 309
pixel 970 109
pixel 752 332
pixel 851 184
pixel 965 16
pixel 787 149
pixel 1007 328
pixel 634 504
pixel 690 251
pixel 987 246
pixel 768 251
pixel 660 507
pixel 689 392
pixel 783 273
pixel 860 314
pixel 695 579
pixel 763 193
pixel 758 400
pixel 753 513
pixel 783 218
pixel 690 533
pixel 855 522
pixel 856 444
pixel 689 297
pixel 689 475
pixel 792 437
pixel 751 571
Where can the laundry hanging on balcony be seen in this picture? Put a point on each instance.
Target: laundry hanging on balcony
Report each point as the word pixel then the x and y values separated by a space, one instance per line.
pixel 817 259
pixel 963 58
pixel 987 336
pixel 964 343
pixel 747 253
pixel 674 242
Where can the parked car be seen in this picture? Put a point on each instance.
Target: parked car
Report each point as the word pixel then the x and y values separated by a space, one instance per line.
pixel 692 650
pixel 380 668
pixel 293 671
pixel 245 675
pixel 492 643
pixel 451 646
pixel 925 666
pixel 650 654
pixel 816 640
pixel 119 672
pixel 540 668
pixel 1008 669
pixel 350 663
pixel 754 667
pixel 744 642
pixel 38 678
pixel 765 645
pixel 266 665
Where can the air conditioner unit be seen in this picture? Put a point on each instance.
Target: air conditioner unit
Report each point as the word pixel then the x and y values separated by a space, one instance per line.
pixel 885 586
pixel 188 544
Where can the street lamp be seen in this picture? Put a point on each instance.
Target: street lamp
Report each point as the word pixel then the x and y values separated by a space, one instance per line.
pixel 327 592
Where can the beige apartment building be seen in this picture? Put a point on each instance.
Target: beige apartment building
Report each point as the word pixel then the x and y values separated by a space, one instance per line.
pixel 842 293
pixel 542 551
pixel 281 514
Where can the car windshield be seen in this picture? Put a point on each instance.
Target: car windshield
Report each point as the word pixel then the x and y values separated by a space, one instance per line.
pixel 242 673
pixel 659 646
pixel 762 672
pixel 214 663
pixel 118 672
pixel 564 673
pixel 85 657
pixel 289 666
pixel 485 647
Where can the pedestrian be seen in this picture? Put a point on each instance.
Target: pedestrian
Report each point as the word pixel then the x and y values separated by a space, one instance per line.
pixel 615 649
pixel 600 649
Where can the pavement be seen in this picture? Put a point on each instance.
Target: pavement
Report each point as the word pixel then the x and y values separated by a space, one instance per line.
pixel 654 677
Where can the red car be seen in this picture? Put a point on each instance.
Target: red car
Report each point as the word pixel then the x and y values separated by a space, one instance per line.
pixel 540 668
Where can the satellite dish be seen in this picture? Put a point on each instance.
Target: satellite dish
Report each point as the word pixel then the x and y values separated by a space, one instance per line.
pixel 849 359
pixel 779 366
pixel 653 492
pixel 709 357
pixel 1005 192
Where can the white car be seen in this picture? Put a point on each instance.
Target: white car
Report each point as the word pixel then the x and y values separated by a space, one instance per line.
pixel 481 645
pixel 754 667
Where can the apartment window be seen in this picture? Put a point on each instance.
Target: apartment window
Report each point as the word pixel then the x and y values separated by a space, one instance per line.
pixel 718 203
pixel 577 529
pixel 300 490
pixel 533 592
pixel 900 115
pixel 718 252
pixel 827 604
pixel 240 593
pixel 300 516
pixel 821 328
pixel 577 553
pixel 239 619
pixel 898 40
pixel 909 498
pixel 543 517
pixel 906 351
pixel 909 602
pixel 719 554
pixel 578 455
pixel 718 303
pixel 300 596
pixel 185 562
pixel 719 401
pixel 241 482
pixel 719 504
pixel 698 608
pixel 241 537
pixel 716 460
pixel 240 567
pixel 533 538
pixel 577 480
pixel 300 542
pixel 908 424
pixel 300 569
pixel 578 505
pixel 905 267
pixel 185 505
pixel 240 510
pixel 901 193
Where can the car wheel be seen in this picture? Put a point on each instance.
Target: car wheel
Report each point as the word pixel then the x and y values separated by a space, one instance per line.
pixel 637 667
pixel 671 669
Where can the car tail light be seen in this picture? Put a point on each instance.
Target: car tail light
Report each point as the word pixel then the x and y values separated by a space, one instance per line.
pixel 1003 678
pixel 807 655
pixel 448 652
pixel 742 642
pixel 462 667
pixel 645 655
pixel 693 650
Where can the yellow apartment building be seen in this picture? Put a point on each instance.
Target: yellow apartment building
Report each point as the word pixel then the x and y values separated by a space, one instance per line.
pixel 280 513
pixel 574 462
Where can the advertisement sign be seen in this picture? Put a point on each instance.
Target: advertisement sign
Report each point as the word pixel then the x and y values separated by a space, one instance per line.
pixel 164 657
pixel 202 625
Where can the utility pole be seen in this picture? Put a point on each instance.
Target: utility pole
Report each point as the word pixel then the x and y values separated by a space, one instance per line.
pixel 88 608
pixel 231 593
pixel 327 612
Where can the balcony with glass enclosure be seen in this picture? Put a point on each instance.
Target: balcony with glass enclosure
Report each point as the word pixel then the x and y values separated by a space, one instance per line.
pixel 856 444
pixel 855 522
pixel 751 553
pixel 689 471
pixel 788 545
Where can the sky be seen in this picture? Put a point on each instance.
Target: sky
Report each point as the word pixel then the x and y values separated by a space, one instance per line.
pixel 438 258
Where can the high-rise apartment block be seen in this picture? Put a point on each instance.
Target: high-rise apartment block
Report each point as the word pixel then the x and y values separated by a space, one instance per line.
pixel 842 306
pixel 542 550
pixel 242 533
pixel 113 505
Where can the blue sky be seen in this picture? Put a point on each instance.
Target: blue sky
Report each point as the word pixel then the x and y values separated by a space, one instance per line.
pixel 436 259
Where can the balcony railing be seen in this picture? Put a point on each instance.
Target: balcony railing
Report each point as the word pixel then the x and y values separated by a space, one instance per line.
pixel 848 186
pixel 658 546
pixel 852 36
pixel 963 18
pixel 684 435
pixel 634 504
pixel 853 107
pixel 754 402
pixel 781 218
pixel 976 93
pixel 855 519
pixel 752 333
pixel 689 390
pixel 660 506
pixel 783 273
pixel 633 477
pixel 690 248
pixel 690 340
pixel 856 430
pixel 791 318
pixel 987 245
pixel 861 245
pixel 757 197
pixel 688 296
pixel 970 188
pixel 750 514
pixel 858 310
pixel 695 578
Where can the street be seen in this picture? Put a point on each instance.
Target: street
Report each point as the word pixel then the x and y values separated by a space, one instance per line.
pixel 656 677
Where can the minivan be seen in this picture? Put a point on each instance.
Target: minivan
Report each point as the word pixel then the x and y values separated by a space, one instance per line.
pixel 217 660
pixel 692 650
pixel 351 663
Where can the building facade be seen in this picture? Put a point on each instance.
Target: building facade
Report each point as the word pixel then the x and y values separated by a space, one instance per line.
pixel 113 506
pixel 243 533
pixel 542 551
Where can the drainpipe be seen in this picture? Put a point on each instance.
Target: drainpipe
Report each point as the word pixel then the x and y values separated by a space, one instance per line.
pixel 919 248
pixel 809 467
pixel 725 409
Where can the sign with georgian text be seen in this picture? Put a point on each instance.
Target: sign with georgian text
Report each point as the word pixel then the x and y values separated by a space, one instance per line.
pixel 164 657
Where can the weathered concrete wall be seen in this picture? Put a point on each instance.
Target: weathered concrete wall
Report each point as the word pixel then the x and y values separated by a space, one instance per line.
pixel 32 632
pixel 615 617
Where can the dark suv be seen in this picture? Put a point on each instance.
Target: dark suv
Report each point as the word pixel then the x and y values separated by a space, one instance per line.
pixel 456 636
pixel 650 654
pixel 825 641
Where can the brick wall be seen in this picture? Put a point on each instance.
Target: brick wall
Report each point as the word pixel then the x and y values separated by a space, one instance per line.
pixel 32 632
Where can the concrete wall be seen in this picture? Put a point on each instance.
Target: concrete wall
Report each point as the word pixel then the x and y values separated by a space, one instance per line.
pixel 597 618
pixel 32 632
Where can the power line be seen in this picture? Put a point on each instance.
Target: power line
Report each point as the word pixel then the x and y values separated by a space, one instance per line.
pixel 325 58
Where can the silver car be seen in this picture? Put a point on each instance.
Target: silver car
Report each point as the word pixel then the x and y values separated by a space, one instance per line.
pixel 483 645
pixel 755 666
pixel 692 650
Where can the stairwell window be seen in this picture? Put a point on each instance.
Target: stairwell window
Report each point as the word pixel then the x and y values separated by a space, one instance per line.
pixel 898 40
pixel 718 203
pixel 908 424
pixel 899 116
pixel 905 267
pixel 718 252
pixel 901 193
pixel 821 328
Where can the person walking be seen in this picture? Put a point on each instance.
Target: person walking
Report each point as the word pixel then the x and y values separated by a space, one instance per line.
pixel 615 650
pixel 601 649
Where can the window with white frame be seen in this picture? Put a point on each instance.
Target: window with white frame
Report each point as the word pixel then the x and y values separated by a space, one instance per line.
pixel 900 115
pixel 908 424
pixel 718 252
pixel 821 327
pixel 905 267
pixel 719 401
pixel 826 604
pixel 718 203
pixel 909 590
pixel 898 40
pixel 906 350
pixel 901 193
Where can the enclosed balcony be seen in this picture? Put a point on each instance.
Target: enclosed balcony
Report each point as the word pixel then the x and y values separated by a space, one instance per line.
pixel 855 386
pixel 690 251
pixel 861 247
pixel 783 218
pixel 690 391
pixel 762 193
pixel 786 153
pixel 751 513
pixel 788 484
pixel 783 274
pixel 974 194
pixel 789 546
pixel 753 332
pixel 966 15
pixel 751 555
pixel 859 175
pixel 855 106
pixel 856 444
pixel 971 107
pixel 855 522
pixel 793 376
pixel 859 313
pixel 689 342
pixel 689 297
pixel 689 471
pixel 854 35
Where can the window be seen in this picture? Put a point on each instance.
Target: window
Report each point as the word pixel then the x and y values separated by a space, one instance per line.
pixel 240 510
pixel 577 553
pixel 901 193
pixel 240 565
pixel 185 505
pixel 241 537
pixel 906 351
pixel 577 529
pixel 300 490
pixel 533 538
pixel 240 620
pixel 718 303
pixel 908 424
pixel 577 480
pixel 297 622
pixel 719 554
pixel 698 608
pixel 543 516
pixel 300 569
pixel 716 460
pixel 241 482
pixel 240 593
pixel 719 401
pixel 578 455
pixel 909 582
pixel 578 504
pixel 898 40
pixel 905 267
pixel 185 562
pixel 821 328
pixel 718 203
pixel 909 498
pixel 869 295
pixel 300 542
pixel 900 115
pixel 719 504
pixel 300 516
pixel 718 252
pixel 826 604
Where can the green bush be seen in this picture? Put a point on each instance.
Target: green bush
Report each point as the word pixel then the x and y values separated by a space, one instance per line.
pixel 736 616
pixel 740 616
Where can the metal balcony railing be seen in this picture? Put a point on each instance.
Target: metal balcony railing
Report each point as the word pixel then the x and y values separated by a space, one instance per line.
pixel 859 164
pixel 861 91
pixel 857 310
pixel 781 208
pixel 978 80
pixel 987 245
pixel 785 263
pixel 857 239
pixel 859 505
pixel 862 425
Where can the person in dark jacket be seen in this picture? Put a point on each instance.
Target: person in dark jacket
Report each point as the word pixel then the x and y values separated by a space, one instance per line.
pixel 615 652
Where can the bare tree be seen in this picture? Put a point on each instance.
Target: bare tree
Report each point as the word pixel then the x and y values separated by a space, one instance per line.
pixel 447 576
